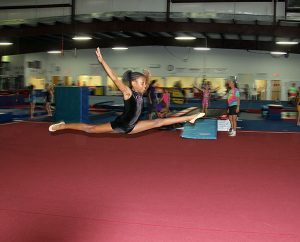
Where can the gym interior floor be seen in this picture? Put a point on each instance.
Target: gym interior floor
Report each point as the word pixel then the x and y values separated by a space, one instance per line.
pixel 153 186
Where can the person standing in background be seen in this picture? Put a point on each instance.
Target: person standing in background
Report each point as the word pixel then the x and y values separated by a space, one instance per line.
pixel 32 100
pixel 298 107
pixel 48 98
pixel 292 94
pixel 233 101
pixel 152 99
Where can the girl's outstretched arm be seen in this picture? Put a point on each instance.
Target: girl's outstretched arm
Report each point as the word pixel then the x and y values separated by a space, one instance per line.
pixel 113 76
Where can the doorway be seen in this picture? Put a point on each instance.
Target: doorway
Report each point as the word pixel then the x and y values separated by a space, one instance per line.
pixel 276 90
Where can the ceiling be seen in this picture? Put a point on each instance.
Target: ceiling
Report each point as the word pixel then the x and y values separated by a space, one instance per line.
pixel 150 29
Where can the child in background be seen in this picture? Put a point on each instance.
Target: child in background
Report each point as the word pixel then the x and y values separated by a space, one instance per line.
pixel 298 107
pixel 205 98
pixel 152 99
pixel 292 94
pixel 165 104
pixel 48 98
pixel 233 101
pixel 32 100
pixel 206 94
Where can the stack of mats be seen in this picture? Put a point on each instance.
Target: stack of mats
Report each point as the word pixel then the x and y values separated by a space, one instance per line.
pixel 72 104
pixel 201 129
pixel 274 112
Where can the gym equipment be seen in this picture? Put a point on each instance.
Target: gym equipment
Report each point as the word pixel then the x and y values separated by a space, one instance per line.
pixel 72 104
pixel 201 129
pixel 6 117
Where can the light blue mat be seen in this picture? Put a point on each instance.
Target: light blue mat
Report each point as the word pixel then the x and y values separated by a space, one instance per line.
pixel 202 129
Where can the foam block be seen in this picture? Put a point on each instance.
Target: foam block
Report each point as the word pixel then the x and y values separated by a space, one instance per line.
pixel 6 117
pixel 202 129
pixel 72 104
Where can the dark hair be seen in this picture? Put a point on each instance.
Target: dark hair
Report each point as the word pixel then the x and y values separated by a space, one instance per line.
pixel 130 76
pixel 235 83
pixel 152 83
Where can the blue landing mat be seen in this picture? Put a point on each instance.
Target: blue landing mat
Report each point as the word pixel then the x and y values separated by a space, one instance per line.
pixel 202 129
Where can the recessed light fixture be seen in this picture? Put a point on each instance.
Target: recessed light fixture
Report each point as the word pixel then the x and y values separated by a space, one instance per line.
pixel 120 48
pixel 185 38
pixel 278 53
pixel 54 52
pixel 5 43
pixel 202 48
pixel 287 42
pixel 82 38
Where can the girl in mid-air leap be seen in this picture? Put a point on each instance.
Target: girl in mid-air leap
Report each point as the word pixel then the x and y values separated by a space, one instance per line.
pixel 128 122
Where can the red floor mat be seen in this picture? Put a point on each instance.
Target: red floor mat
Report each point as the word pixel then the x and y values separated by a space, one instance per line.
pixel 154 186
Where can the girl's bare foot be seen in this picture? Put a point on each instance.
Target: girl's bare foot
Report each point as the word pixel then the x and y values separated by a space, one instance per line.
pixel 196 116
pixel 57 126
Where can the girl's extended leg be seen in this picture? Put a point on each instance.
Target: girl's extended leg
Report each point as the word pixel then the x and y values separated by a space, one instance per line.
pixel 156 123
pixel 102 128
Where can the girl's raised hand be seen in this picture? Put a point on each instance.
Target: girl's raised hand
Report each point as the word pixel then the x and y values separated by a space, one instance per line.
pixel 147 73
pixel 99 55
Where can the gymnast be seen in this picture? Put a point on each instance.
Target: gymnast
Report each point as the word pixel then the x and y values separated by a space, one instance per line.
pixel 128 122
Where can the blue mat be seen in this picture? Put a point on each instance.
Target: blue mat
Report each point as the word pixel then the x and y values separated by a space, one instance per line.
pixel 23 113
pixel 202 129
pixel 6 117
pixel 269 125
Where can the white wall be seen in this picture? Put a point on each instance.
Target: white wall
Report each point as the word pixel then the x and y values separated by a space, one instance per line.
pixel 186 62
pixel 212 9
pixel 107 6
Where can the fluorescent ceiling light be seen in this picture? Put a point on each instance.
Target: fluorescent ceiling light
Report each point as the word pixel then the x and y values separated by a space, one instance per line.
pixel 54 52
pixel 82 38
pixel 287 42
pixel 185 38
pixel 6 43
pixel 119 48
pixel 201 48
pixel 278 53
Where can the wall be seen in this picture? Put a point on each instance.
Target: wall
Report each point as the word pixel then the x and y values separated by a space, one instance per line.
pixel 184 62
pixel 96 7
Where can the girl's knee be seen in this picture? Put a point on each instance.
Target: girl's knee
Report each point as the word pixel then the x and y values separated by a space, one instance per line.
pixel 90 129
pixel 158 122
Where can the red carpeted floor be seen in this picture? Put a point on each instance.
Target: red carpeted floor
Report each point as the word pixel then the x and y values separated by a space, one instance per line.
pixel 156 186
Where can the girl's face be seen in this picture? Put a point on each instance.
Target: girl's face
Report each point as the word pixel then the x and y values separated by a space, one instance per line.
pixel 139 84
pixel 231 84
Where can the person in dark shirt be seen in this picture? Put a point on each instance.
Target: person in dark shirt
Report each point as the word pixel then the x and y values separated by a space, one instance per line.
pixel 152 99
pixel 128 122
pixel 32 100
pixel 48 98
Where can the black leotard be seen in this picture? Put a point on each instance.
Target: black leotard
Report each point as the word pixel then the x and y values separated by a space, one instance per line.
pixel 132 111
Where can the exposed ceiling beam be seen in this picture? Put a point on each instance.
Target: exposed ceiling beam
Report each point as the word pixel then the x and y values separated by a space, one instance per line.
pixel 40 45
pixel 64 5
pixel 157 26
